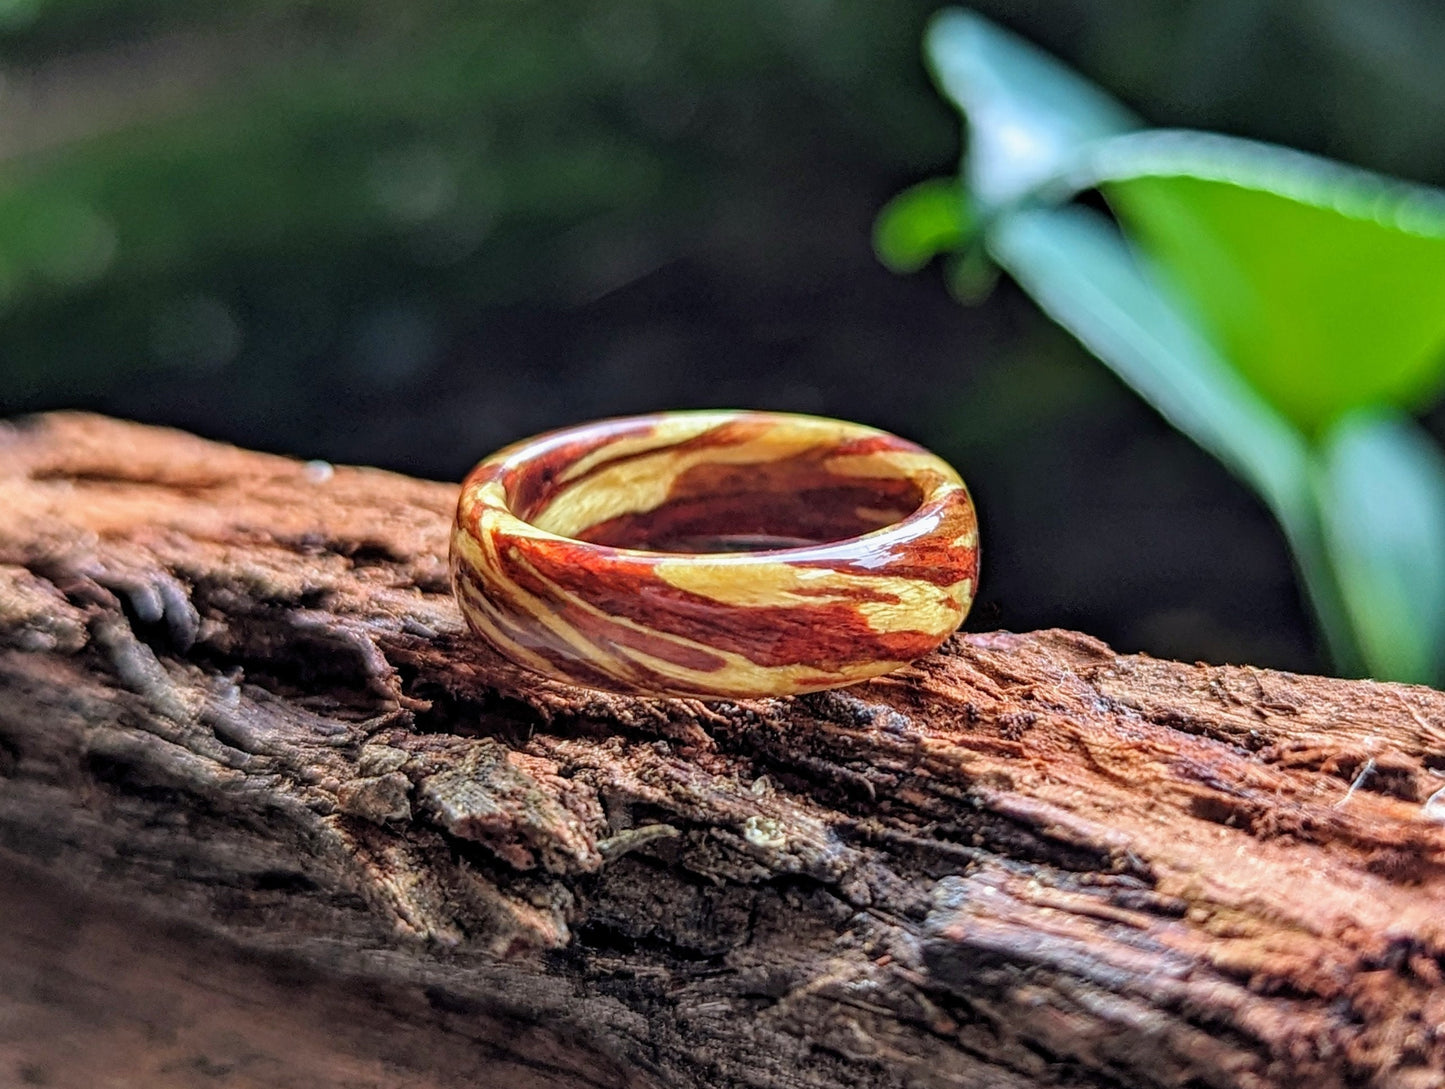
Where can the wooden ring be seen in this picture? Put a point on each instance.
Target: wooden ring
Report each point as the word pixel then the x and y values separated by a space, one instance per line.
pixel 723 554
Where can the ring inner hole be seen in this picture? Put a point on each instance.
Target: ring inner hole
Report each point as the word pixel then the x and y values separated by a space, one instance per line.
pixel 791 502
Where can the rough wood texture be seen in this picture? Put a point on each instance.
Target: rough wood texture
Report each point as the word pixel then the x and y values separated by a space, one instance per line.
pixel 235 692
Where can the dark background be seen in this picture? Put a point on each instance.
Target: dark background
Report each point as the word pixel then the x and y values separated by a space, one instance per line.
pixel 405 233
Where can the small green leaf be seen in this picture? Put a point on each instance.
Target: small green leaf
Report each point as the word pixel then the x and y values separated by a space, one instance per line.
pixel 921 222
pixel 1324 286
pixel 1028 115
pixel 1381 490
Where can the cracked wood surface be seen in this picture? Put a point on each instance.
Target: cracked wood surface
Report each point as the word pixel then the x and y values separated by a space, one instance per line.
pixel 250 761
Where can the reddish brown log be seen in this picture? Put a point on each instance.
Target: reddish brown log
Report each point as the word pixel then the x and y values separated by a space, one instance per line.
pixel 269 818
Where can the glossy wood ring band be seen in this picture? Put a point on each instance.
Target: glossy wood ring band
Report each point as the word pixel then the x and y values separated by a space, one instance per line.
pixel 714 554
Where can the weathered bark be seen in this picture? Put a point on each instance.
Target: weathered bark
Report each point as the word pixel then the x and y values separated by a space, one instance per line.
pixel 237 708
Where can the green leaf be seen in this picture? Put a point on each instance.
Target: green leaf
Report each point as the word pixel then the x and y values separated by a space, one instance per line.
pixel 1323 285
pixel 921 222
pixel 1028 115
pixel 1078 268
pixel 1277 303
pixel 1381 489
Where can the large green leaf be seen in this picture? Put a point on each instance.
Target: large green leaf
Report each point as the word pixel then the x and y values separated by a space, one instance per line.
pixel 1382 500
pixel 1278 309
pixel 1028 115
pixel 1079 269
pixel 1321 284
pixel 1324 286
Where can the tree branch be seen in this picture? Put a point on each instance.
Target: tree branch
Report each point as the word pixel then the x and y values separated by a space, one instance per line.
pixel 235 694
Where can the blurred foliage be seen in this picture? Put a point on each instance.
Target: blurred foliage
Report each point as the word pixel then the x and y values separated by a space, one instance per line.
pixel 187 186
pixel 1285 312
pixel 178 179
